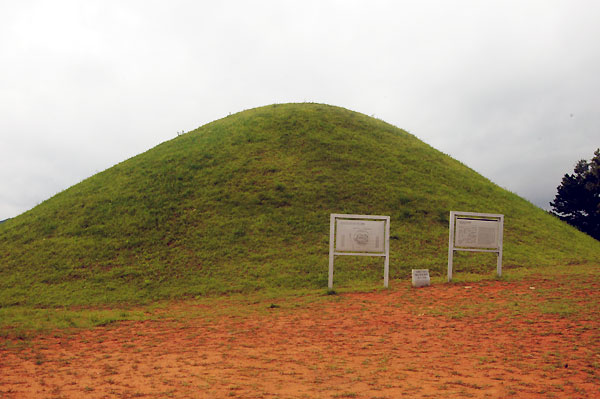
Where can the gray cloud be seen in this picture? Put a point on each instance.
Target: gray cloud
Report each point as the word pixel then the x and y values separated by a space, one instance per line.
pixel 507 87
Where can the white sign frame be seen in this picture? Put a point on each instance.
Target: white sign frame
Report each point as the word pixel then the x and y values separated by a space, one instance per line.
pixel 385 253
pixel 476 217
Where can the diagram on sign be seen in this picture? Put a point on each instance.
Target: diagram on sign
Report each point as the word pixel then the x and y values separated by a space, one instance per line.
pixel 360 235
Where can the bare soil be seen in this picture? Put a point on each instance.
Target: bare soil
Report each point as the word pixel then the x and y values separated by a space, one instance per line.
pixel 484 340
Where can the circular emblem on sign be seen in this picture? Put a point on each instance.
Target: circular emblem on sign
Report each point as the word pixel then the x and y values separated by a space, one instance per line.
pixel 361 237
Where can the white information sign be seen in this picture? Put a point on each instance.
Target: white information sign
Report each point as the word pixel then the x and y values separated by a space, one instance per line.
pixel 361 235
pixel 475 232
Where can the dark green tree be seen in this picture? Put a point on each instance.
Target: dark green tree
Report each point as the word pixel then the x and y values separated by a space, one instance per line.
pixel 578 198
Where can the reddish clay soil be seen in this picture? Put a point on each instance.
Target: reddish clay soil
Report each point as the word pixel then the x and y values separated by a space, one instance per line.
pixel 433 342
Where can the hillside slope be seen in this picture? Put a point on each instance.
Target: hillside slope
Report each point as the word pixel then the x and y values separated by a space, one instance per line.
pixel 243 203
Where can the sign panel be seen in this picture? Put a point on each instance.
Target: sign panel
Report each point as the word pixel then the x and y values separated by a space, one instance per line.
pixel 473 233
pixel 360 235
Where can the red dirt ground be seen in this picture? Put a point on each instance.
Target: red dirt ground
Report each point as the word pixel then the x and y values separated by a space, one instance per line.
pixel 387 344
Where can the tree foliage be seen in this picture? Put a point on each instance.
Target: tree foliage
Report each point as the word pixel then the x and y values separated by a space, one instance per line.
pixel 578 198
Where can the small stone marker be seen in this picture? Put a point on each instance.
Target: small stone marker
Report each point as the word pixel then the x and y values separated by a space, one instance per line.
pixel 420 278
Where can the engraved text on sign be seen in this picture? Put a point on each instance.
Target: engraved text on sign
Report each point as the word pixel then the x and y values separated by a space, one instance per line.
pixel 476 233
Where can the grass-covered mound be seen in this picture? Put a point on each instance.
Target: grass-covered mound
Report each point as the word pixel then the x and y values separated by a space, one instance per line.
pixel 243 204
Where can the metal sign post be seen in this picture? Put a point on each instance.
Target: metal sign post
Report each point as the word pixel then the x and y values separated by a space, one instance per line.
pixel 475 232
pixel 360 235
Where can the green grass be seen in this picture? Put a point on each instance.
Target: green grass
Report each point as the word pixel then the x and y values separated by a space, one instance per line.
pixel 22 322
pixel 242 205
pixel 564 293
pixel 553 292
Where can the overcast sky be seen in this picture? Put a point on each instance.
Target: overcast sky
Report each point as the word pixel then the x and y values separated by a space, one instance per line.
pixel 510 88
